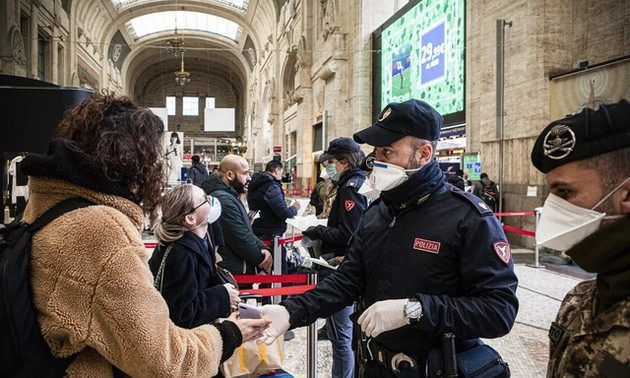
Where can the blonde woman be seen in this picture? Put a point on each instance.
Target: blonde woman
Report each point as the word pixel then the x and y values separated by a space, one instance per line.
pixel 187 276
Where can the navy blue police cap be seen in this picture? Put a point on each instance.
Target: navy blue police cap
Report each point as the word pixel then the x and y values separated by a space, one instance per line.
pixel 339 146
pixel 583 135
pixel 413 118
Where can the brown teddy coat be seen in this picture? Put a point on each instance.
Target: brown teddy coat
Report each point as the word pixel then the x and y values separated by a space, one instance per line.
pixel 94 295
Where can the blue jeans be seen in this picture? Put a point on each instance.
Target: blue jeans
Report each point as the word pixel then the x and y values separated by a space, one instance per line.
pixel 339 328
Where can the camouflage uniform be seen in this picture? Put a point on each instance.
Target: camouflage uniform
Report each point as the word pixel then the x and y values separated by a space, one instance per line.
pixel 586 346
pixel 331 194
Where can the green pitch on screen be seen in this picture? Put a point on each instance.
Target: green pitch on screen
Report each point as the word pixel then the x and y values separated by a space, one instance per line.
pixel 423 56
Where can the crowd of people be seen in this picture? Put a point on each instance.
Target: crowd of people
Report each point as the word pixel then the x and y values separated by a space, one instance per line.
pixel 423 261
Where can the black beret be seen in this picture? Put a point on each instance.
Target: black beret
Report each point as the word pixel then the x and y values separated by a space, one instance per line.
pixel 583 135
pixel 339 146
pixel 399 119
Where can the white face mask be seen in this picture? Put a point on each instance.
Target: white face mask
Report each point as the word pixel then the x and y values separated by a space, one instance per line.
pixel 368 191
pixel 563 224
pixel 215 210
pixel 387 176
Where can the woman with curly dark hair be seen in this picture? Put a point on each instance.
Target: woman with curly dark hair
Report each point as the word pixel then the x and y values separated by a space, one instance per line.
pixel 91 285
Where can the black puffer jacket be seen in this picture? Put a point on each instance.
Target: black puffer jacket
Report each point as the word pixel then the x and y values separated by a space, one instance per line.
pixel 265 194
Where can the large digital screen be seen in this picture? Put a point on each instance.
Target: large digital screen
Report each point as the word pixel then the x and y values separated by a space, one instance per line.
pixel 420 54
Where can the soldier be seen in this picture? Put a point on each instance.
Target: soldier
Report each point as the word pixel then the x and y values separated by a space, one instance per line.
pixel 585 157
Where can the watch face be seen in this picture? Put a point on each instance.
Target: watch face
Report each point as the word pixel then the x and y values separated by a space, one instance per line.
pixel 414 310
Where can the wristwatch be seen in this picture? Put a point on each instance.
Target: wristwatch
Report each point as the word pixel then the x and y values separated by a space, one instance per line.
pixel 413 310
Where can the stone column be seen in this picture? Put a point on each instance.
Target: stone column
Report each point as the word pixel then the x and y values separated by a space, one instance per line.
pixel 34 38
pixel 12 59
pixel 54 59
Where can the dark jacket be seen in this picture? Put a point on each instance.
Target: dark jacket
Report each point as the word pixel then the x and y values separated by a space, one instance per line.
pixel 456 181
pixel 345 214
pixel 190 286
pixel 432 241
pixel 197 174
pixel 241 252
pixel 265 194
pixel 320 189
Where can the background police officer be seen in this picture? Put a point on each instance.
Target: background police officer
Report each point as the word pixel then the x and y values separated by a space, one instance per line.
pixel 343 160
pixel 587 161
pixel 426 259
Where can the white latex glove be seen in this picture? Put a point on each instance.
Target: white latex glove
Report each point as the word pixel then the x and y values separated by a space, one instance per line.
pixel 233 294
pixel 383 316
pixel 279 317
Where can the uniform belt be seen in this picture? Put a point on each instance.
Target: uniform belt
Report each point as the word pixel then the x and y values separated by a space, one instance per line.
pixel 392 360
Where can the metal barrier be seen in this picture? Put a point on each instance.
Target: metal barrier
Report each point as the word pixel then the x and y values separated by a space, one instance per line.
pixel 306 282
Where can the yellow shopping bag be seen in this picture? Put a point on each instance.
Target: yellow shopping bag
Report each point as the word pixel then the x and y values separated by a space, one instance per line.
pixel 252 359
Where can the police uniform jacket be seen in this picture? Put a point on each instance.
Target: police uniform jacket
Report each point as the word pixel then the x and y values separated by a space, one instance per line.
pixel 430 240
pixel 345 214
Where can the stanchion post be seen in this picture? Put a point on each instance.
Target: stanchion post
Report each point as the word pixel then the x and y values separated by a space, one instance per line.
pixel 538 211
pixel 311 340
pixel 277 266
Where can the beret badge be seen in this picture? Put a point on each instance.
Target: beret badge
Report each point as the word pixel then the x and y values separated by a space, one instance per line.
pixel 559 142
pixel 385 114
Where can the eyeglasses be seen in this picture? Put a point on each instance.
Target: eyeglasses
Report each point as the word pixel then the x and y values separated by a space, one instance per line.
pixel 209 199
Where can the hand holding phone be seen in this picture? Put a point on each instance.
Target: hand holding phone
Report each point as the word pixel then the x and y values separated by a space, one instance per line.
pixel 247 311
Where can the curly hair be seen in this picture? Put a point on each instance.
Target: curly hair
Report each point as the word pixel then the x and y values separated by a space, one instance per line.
pixel 123 139
pixel 175 205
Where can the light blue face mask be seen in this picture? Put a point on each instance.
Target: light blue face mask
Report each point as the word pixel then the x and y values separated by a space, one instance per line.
pixel 331 170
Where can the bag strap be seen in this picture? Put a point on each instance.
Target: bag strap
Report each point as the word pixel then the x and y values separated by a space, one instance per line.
pixel 59 209
pixel 159 277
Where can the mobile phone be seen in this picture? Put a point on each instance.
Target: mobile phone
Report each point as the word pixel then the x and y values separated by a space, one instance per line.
pixel 247 311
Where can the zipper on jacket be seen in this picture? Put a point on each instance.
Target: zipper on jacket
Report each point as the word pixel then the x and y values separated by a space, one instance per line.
pixel 391 225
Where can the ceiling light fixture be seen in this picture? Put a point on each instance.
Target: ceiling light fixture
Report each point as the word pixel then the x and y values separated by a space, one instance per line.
pixel 176 44
pixel 182 77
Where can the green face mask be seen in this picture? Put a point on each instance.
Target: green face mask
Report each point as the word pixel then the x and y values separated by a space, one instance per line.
pixel 331 169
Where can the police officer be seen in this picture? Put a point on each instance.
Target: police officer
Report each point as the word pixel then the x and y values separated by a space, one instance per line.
pixel 343 164
pixel 427 258
pixel 586 158
pixel 343 160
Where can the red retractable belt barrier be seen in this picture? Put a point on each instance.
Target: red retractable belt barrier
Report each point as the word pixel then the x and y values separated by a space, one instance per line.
pixel 516 214
pixel 517 230
pixel 275 278
pixel 269 243
pixel 290 240
pixel 289 290
pixel 150 245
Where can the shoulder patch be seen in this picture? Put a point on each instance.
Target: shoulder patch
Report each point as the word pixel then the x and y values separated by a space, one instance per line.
pixel 475 201
pixel 503 250
pixel 349 205
pixel 354 182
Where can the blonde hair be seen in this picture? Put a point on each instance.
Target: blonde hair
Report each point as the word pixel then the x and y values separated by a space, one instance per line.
pixel 175 205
